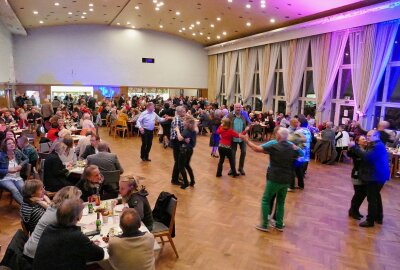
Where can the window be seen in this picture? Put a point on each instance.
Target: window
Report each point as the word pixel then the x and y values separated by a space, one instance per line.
pixel 258 104
pixel 379 95
pixel 346 56
pixel 282 106
pixel 377 115
pixel 281 91
pixel 393 116
pixel 396 48
pixel 346 86
pixel 310 108
pixel 310 93
pixel 309 59
pixel 333 112
pixel 394 85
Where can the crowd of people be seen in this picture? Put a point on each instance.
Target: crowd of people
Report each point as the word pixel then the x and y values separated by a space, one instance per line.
pixel 289 141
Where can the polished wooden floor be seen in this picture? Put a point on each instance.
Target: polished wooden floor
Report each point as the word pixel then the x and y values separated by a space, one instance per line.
pixel 215 220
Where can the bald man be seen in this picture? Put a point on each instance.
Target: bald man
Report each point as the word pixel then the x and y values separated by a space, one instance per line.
pixel 134 249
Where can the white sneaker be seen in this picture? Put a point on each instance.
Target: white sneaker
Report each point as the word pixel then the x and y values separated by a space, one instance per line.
pixel 290 190
pixel 262 228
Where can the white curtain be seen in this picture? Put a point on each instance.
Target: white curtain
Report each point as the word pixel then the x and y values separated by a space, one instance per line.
pixel 361 54
pixel 231 59
pixel 295 63
pixel 249 74
pixel 220 62
pixel 285 50
pixel 267 59
pixel 383 45
pixel 326 69
pixel 242 66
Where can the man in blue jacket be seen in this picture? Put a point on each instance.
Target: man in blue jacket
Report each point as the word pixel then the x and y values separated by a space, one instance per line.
pixel 374 171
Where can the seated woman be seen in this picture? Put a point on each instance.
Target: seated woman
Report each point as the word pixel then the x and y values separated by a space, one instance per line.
pixel 91 183
pixel 122 116
pixel 34 204
pixel 55 173
pixel 70 156
pixel 136 198
pixel 86 122
pixel 52 134
pixel 12 161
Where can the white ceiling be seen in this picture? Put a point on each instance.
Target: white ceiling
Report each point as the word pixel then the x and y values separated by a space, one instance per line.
pixel 197 19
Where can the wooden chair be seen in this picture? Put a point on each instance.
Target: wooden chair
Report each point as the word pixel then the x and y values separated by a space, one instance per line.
pixel 121 126
pixel 160 230
pixel 1 195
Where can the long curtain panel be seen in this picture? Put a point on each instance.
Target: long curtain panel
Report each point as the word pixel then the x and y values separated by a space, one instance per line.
pixel 220 68
pixel 337 46
pixel 230 72
pixel 242 66
pixel 361 55
pixel 383 46
pixel 249 74
pixel 295 62
pixel 267 59
pixel 212 76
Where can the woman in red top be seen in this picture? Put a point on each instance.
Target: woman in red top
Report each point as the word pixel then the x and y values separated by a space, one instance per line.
pixel 226 133
pixel 52 134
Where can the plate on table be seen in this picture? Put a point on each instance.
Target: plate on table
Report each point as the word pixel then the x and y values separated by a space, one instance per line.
pixel 119 208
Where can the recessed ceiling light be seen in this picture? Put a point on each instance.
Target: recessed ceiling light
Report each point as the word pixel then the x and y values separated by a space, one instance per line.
pixel 183 28
pixel 157 8
pixel 193 34
pixel 262 1
pixel 155 1
pixel 84 13
pixel 248 6
pixel 248 24
pixel 90 5
pixel 178 13
pixel 83 17
pixel 208 38
pixel 201 33
pixel 137 7
pixel 218 37
pixel 212 25
pixel 263 6
pixel 180 31
pixel 41 22
pixel 218 19
pixel 128 23
pixel 192 25
pixel 224 33
pixel 161 3
pixel 161 26
pixel 230 1
pixel 133 26
pixel 35 12
pixel 190 28
pixel 272 20
pixel 118 23
pixel 56 4
pixel 198 23
pixel 70 13
pixel 91 9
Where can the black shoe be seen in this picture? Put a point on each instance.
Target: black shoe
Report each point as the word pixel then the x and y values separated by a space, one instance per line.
pixel 176 183
pixel 230 173
pixel 242 172
pixel 218 175
pixel 379 221
pixel 235 175
pixel 354 215
pixel 192 183
pixel 366 224
pixel 147 159
pixel 184 186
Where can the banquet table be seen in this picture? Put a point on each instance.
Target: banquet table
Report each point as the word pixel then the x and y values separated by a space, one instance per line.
pixel 394 160
pixel 88 224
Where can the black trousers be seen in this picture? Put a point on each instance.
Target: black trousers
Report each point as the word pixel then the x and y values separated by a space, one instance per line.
pixel 375 208
pixel 175 171
pixel 225 152
pixel 147 141
pixel 300 172
pixel 360 192
pixel 184 165
pixel 242 146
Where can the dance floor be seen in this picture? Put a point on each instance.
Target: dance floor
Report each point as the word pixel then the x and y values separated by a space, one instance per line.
pixel 215 220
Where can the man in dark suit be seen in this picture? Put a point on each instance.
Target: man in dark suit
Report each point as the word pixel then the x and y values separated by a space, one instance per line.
pixel 104 160
pixel 64 246
pixel 92 148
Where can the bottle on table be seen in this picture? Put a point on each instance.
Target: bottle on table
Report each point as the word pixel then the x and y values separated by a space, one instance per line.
pixel 98 222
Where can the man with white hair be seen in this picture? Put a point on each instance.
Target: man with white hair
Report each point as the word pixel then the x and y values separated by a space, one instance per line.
pixel 384 135
pixel 280 175
pixel 177 122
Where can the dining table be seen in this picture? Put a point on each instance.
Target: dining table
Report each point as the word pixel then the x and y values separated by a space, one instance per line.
pixel 394 154
pixel 109 228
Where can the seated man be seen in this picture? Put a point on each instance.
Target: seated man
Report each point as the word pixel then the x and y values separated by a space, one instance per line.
pixel 133 249
pixel 136 198
pixel 64 246
pixel 104 160
pixel 92 182
pixel 82 143
pixel 28 150
pixel 92 148
pixel 34 116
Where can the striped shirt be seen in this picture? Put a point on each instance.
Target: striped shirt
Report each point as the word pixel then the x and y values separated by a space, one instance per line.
pixel 30 214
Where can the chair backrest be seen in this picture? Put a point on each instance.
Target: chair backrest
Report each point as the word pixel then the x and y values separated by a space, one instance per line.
pixel 172 210
pixel 111 177
pixel 45 147
pixel 121 123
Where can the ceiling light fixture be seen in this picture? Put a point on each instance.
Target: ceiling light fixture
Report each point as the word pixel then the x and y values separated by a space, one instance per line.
pixel 263 6
pixel 161 3
pixel 272 20
pixel 118 23
pixel 198 23
pixel 157 8
pixel 224 33
pixel 201 33
pixel 83 17
pixel 180 31
pixel 190 28
pixel 193 34
pixel 248 24
pixel 208 38
pixel 137 7
pixel 41 22
pixel 90 5
pixel 91 9
pixel 155 1
pixel 192 25
pixel 70 13
pixel 35 12
pixel 218 37
pixel 133 26
pixel 183 28
pixel 128 23
pixel 56 4
pixel 212 25
pixel 230 1
pixel 84 13
pixel 218 19
pixel 177 13
pixel 161 26
pixel 248 6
